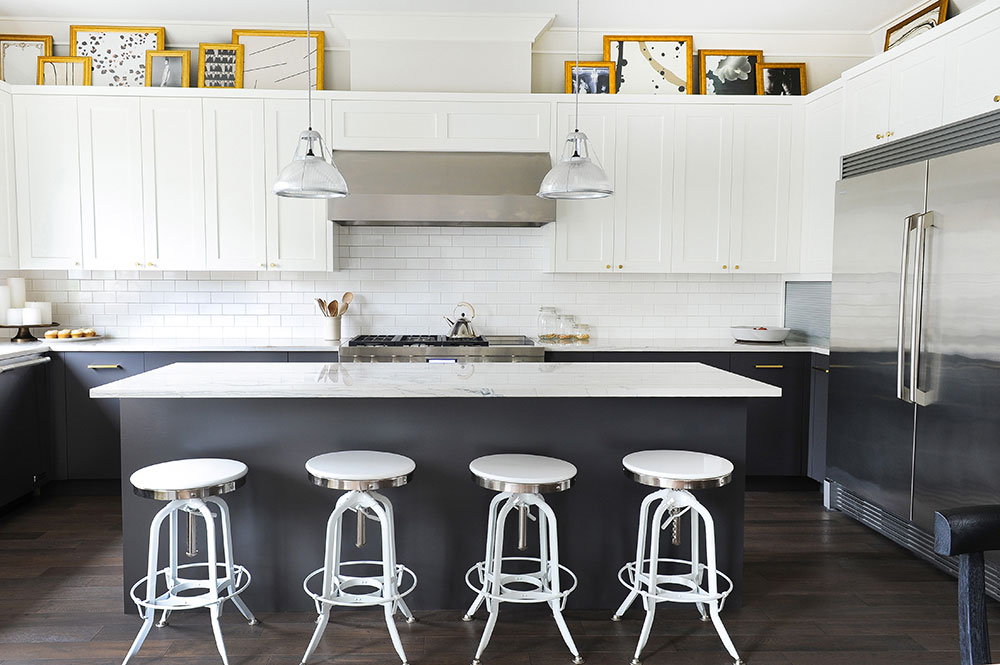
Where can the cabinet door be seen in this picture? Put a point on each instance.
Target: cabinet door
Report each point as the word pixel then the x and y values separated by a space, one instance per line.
pixel 173 183
pixel 23 446
pixel 917 91
pixel 703 144
pixel 821 170
pixel 296 228
pixel 111 183
pixel 972 84
pixel 154 360
pixel 645 181
pixel 585 230
pixel 93 430
pixel 866 109
pixel 761 182
pixel 235 190
pixel 8 211
pixel 47 156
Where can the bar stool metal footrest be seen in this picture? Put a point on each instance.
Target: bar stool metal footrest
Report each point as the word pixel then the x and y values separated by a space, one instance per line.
pixel 534 578
pixel 343 597
pixel 692 581
pixel 171 600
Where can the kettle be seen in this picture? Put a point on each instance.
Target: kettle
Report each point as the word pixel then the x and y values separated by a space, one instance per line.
pixel 462 328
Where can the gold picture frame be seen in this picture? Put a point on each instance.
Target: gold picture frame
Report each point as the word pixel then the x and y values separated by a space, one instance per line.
pixel 44 40
pixel 274 51
pixel 758 69
pixel 590 64
pixel 185 74
pixel 686 40
pixel 110 62
pixel 237 63
pixel 71 59
pixel 922 19
pixel 798 66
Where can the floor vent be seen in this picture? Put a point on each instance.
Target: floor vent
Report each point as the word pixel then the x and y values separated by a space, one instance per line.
pixel 903 533
pixel 974 132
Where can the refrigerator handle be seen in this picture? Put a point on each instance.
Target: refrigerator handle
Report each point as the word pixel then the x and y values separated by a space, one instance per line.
pixel 924 222
pixel 909 224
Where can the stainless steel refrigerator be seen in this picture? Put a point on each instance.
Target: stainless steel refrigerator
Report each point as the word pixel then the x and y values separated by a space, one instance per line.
pixel 914 422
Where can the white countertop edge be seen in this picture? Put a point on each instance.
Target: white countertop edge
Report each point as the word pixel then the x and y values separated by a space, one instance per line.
pixel 20 351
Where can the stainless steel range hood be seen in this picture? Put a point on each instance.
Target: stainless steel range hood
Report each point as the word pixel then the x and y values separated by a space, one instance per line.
pixel 442 189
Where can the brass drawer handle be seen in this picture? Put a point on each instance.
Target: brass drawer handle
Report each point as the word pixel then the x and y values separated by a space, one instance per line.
pixel 104 366
pixel 769 366
pixel 825 371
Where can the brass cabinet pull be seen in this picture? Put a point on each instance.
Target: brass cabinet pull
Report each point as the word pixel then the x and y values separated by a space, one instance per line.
pixel 825 371
pixel 620 266
pixel 725 267
pixel 997 98
pixel 273 265
pixel 769 366
pixel 104 366
pixel 879 137
pixel 737 267
pixel 608 266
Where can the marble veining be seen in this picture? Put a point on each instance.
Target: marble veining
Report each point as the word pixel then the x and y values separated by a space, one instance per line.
pixel 329 380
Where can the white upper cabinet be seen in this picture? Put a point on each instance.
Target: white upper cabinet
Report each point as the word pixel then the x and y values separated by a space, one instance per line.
pixel 644 188
pixel 8 200
pixel 111 183
pixel 761 179
pixel 821 171
pixel 702 196
pixel 173 183
pixel 446 125
pixel 972 85
pixel 47 156
pixel 866 109
pixel 296 228
pixel 585 230
pixel 235 187
pixel 917 91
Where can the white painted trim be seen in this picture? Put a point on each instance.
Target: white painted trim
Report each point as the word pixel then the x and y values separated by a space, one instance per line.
pixel 440 27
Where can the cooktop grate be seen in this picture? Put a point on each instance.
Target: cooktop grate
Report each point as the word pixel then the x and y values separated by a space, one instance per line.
pixel 416 340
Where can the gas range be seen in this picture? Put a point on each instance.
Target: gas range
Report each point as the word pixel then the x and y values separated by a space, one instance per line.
pixel 441 349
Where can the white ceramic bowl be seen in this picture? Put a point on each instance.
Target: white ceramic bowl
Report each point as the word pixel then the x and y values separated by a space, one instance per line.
pixel 768 334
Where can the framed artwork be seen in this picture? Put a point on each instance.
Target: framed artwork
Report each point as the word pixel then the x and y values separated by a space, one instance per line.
pixel 651 64
pixel 596 78
pixel 118 53
pixel 916 23
pixel 19 56
pixel 168 69
pixel 786 78
pixel 220 66
pixel 64 70
pixel 277 59
pixel 731 72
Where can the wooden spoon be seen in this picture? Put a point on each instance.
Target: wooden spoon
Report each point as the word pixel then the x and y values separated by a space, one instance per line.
pixel 322 306
pixel 347 299
pixel 334 309
pixel 344 308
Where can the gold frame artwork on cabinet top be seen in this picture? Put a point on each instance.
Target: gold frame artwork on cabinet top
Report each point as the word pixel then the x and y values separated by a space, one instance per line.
pixel 45 40
pixel 185 57
pixel 238 48
pixel 589 64
pixel 759 74
pixel 103 61
pixel 687 40
pixel 318 35
pixel 71 59
pixel 800 66
pixel 941 6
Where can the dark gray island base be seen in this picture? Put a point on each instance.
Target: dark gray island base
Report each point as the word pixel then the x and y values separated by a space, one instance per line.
pixel 279 518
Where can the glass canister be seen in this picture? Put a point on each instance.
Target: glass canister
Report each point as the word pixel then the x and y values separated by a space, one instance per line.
pixel 581 332
pixel 548 323
pixel 567 324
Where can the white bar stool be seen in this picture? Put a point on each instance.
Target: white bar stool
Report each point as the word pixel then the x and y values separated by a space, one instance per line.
pixel 521 481
pixel 361 472
pixel 677 471
pixel 190 485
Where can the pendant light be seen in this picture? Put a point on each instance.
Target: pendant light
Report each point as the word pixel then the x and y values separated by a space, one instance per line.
pixel 312 173
pixel 578 175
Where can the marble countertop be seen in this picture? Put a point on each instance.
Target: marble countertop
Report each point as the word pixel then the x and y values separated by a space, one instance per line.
pixel 12 352
pixel 599 345
pixel 328 380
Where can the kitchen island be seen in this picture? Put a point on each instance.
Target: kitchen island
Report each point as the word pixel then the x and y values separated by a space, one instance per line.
pixel 275 416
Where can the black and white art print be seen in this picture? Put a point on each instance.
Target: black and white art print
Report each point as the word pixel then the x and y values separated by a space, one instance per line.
pixel 916 24
pixel 168 71
pixel 731 72
pixel 117 54
pixel 221 66
pixel 281 60
pixel 592 78
pixel 784 79
pixel 656 65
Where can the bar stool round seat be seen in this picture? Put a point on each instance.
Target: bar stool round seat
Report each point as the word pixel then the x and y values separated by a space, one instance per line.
pixel 523 474
pixel 360 470
pixel 188 479
pixel 678 469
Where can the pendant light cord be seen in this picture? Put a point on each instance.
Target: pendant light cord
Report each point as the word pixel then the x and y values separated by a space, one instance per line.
pixel 577 111
pixel 309 88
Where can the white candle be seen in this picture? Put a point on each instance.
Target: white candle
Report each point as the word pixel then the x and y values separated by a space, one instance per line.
pixel 31 316
pixel 17 292
pixel 44 310
pixel 14 316
pixel 4 303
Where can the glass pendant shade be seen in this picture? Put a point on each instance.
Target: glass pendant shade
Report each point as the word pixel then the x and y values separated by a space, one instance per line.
pixel 578 175
pixel 312 173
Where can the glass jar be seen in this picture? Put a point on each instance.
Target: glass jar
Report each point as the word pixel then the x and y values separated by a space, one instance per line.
pixel 566 326
pixel 548 324
pixel 581 332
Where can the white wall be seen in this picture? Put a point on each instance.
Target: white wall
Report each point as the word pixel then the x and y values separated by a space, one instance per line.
pixel 405 280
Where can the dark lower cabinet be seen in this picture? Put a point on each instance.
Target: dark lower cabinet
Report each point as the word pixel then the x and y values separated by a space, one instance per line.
pixel 155 360
pixel 312 356
pixel 92 437
pixel 720 360
pixel 23 428
pixel 819 393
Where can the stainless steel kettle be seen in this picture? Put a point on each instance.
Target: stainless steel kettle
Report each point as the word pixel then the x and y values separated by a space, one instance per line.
pixel 461 327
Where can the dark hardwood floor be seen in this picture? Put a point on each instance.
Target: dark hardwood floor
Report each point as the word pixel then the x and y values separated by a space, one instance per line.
pixel 820 590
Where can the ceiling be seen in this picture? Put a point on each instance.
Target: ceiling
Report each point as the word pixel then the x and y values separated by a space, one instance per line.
pixel 634 15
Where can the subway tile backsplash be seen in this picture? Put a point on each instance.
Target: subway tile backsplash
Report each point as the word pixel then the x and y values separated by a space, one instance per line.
pixel 406 280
